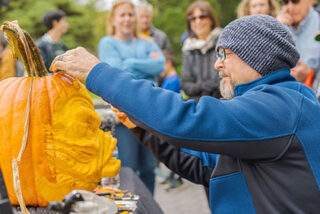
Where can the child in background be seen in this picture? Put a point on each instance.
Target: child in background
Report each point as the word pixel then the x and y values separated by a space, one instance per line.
pixel 170 80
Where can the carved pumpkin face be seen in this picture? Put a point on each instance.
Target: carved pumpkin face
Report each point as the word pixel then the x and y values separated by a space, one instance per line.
pixel 65 149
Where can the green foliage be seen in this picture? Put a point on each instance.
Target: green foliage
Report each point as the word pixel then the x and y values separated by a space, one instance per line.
pixel 87 25
pixel 29 14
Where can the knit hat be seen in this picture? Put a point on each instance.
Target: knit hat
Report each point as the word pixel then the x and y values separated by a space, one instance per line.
pixel 262 42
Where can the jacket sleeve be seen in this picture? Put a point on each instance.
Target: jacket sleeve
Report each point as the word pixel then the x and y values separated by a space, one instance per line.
pixel 254 125
pixel 188 81
pixel 195 166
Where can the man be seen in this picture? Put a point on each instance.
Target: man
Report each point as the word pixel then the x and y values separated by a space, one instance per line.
pixel 316 5
pixel 144 13
pixel 50 44
pixel 303 22
pixel 266 133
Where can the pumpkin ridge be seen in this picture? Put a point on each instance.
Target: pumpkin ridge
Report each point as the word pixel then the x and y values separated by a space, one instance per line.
pixel 38 119
pixel 26 169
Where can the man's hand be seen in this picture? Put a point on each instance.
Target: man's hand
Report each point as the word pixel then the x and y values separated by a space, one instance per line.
pixel 301 71
pixel 123 118
pixel 284 16
pixel 76 62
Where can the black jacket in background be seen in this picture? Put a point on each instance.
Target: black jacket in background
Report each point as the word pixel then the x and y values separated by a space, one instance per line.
pixel 199 78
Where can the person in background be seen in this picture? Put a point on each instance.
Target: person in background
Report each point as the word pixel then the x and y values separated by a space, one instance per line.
pixel 316 5
pixel 127 49
pixel 258 151
pixel 256 7
pixel 9 67
pixel 304 23
pixel 171 81
pixel 50 44
pixel 144 14
pixel 198 75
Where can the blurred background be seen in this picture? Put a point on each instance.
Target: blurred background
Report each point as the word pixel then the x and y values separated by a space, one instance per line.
pixel 87 19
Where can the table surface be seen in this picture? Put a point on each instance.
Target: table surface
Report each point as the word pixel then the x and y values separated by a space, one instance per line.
pixel 128 181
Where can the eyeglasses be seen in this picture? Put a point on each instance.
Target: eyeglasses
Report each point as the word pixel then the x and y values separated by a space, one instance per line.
pixel 194 18
pixel 284 2
pixel 222 54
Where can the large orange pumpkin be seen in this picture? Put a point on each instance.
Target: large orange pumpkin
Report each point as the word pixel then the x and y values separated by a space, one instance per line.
pixel 65 149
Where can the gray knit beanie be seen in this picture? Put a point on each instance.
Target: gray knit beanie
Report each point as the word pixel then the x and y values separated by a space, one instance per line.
pixel 262 42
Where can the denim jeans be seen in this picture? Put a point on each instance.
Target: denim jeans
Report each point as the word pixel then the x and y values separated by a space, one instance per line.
pixel 134 155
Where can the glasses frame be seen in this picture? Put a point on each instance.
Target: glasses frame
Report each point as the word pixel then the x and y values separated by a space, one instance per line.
pixel 221 54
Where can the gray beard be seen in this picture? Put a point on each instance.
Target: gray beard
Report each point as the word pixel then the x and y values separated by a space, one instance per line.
pixel 227 89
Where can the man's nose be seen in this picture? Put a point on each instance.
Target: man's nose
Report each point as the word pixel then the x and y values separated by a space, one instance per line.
pixel 218 65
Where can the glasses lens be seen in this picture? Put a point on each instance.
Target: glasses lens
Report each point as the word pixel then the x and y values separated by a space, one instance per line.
pixel 284 2
pixel 222 54
pixel 203 16
pixel 191 18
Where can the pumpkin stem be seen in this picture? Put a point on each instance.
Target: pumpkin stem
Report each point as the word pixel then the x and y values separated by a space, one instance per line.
pixel 40 66
pixel 24 46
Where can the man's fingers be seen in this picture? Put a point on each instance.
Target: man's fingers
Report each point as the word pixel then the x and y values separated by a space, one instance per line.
pixel 114 109
pixel 57 65
pixel 53 62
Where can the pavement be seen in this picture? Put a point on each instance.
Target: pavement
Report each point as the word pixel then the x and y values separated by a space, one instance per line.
pixel 189 198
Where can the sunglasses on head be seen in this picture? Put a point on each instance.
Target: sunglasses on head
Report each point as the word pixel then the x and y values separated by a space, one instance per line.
pixel 284 2
pixel 201 17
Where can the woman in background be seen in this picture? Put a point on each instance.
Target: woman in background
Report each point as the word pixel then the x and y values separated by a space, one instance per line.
pixel 198 76
pixel 124 48
pixel 255 7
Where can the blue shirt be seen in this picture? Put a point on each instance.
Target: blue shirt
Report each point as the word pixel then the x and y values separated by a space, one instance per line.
pixel 308 48
pixel 132 56
pixel 172 83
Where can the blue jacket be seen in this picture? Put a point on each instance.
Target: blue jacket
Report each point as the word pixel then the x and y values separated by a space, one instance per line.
pixel 267 137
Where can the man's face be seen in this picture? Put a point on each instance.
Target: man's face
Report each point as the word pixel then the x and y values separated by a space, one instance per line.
pixel 62 25
pixel 233 71
pixel 144 19
pixel 297 9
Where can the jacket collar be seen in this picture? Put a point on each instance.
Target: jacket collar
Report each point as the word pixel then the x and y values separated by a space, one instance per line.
pixel 278 76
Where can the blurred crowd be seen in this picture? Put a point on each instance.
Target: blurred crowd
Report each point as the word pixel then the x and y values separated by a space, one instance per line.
pixel 134 45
